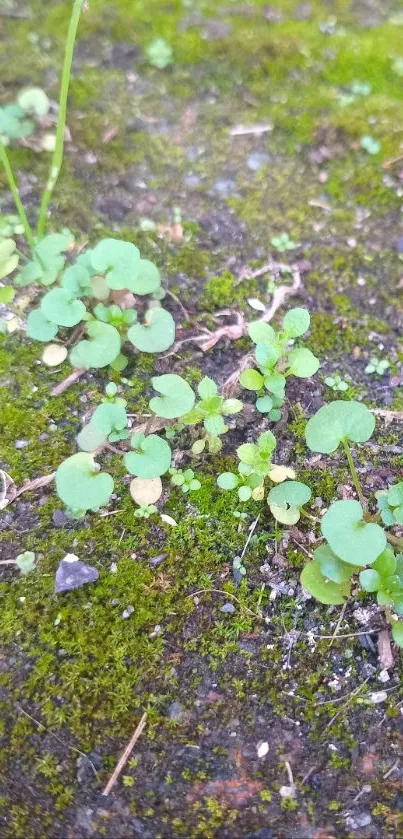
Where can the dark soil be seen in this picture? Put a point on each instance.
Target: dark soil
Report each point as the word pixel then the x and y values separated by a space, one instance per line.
pixel 75 675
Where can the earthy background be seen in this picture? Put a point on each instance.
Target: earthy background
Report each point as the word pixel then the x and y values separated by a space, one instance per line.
pixel 76 674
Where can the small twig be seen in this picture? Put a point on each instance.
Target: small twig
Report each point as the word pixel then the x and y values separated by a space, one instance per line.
pixel 352 695
pixel 125 756
pixel 385 654
pixel 388 163
pixel 251 532
pixel 65 384
pixel 178 302
pixel 347 635
pixel 392 769
pixel 338 625
pixel 256 130
pixel 66 745
pixel 389 415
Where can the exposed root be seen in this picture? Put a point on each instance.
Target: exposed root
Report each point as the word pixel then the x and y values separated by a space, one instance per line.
pixel 65 384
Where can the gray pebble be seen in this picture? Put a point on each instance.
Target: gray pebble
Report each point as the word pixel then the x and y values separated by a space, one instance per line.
pixel 228 608
pixel 21 444
pixel 359 820
pixel 256 160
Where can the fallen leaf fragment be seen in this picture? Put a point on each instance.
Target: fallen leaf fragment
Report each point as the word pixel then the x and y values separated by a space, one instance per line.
pixel 54 354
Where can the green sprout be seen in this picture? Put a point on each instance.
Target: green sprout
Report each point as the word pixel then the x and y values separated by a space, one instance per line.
pixel 159 53
pixel 378 366
pixel 185 479
pixel 283 243
pixel 336 383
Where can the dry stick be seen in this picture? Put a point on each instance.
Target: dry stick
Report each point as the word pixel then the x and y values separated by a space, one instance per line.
pixel 125 756
pixel 62 386
pixel 338 625
pixel 66 745
pixel 388 415
pixel 349 701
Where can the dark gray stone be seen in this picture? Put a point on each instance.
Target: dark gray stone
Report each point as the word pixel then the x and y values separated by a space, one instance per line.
pixel 71 575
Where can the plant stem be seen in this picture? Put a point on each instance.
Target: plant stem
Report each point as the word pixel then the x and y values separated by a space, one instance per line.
pixel 16 195
pixel 57 157
pixel 395 540
pixel 354 475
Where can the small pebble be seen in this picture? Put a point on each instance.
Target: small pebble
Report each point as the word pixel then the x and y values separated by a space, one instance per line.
pixel 262 748
pixel 358 821
pixel 127 612
pixel 378 696
pixel 228 608
pixel 21 444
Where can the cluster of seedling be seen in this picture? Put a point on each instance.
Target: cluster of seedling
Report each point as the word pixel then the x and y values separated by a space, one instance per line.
pixel 99 294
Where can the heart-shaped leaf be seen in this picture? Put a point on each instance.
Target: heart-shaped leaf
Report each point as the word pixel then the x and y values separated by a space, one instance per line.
pixel 39 328
pixel 151 458
pixel 264 404
pixel 296 322
pixel 290 494
pixel 13 123
pixel 118 259
pixel 321 588
pixel 108 417
pixel 81 485
pixel 207 388
pixel 8 258
pixel 58 307
pixel 303 363
pixel 48 252
pixel 146 278
pixel 227 480
pixel 177 396
pixel 331 566
pixel 336 422
pixel 157 333
pixel 102 348
pixel 261 332
pixel 350 538
pixel 370 580
pixel 25 562
pixel 89 438
pixel 76 281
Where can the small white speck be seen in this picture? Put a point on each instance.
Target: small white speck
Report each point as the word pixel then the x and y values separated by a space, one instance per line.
pixel 262 748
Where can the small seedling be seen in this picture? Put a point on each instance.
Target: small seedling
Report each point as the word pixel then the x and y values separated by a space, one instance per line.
pixel 159 53
pixel 185 479
pixel 277 358
pixel 370 145
pixel 378 366
pixel 283 243
pixel 336 383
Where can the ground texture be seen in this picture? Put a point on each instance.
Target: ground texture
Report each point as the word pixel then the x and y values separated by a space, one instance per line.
pixel 75 674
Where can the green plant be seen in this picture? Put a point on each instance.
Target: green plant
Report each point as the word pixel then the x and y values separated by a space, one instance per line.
pixel 210 411
pixel 276 359
pixel 159 53
pixel 185 479
pixel 283 243
pixel 354 538
pixel 336 383
pixel 370 145
pixel 378 366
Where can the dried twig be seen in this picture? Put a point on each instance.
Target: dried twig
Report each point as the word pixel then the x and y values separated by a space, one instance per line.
pixel 65 384
pixel 125 756
pixel 36 483
pixel 385 654
pixel 256 130
pixel 388 415
pixel 338 625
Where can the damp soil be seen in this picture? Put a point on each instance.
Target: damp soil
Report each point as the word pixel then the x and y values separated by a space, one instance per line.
pixel 260 723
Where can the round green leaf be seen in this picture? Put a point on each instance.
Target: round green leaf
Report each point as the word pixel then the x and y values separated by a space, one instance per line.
pixel 25 562
pixel 331 566
pixel 89 438
pixel 251 380
pixel 322 589
pixel 395 495
pixel 146 278
pixel 58 307
pixel 261 332
pixel 76 281
pixel 151 459
pixel 303 363
pixel 227 480
pixel 285 515
pixel 349 537
pixel 8 265
pixel 7 294
pixel 157 333
pixel 336 422
pixel 214 424
pixel 81 485
pixel 289 494
pixel 370 580
pixel 266 356
pixel 244 493
pixel 102 348
pixel 39 328
pixel 386 563
pixel 231 406
pixel 119 259
pixel 177 397
pixel 397 633
pixel 34 100
pixel 207 388
pixel 296 322
pixel 108 417
pixel 275 384
pixel 264 404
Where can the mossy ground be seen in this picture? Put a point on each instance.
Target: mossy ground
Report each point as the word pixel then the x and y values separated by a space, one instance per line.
pixel 74 674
